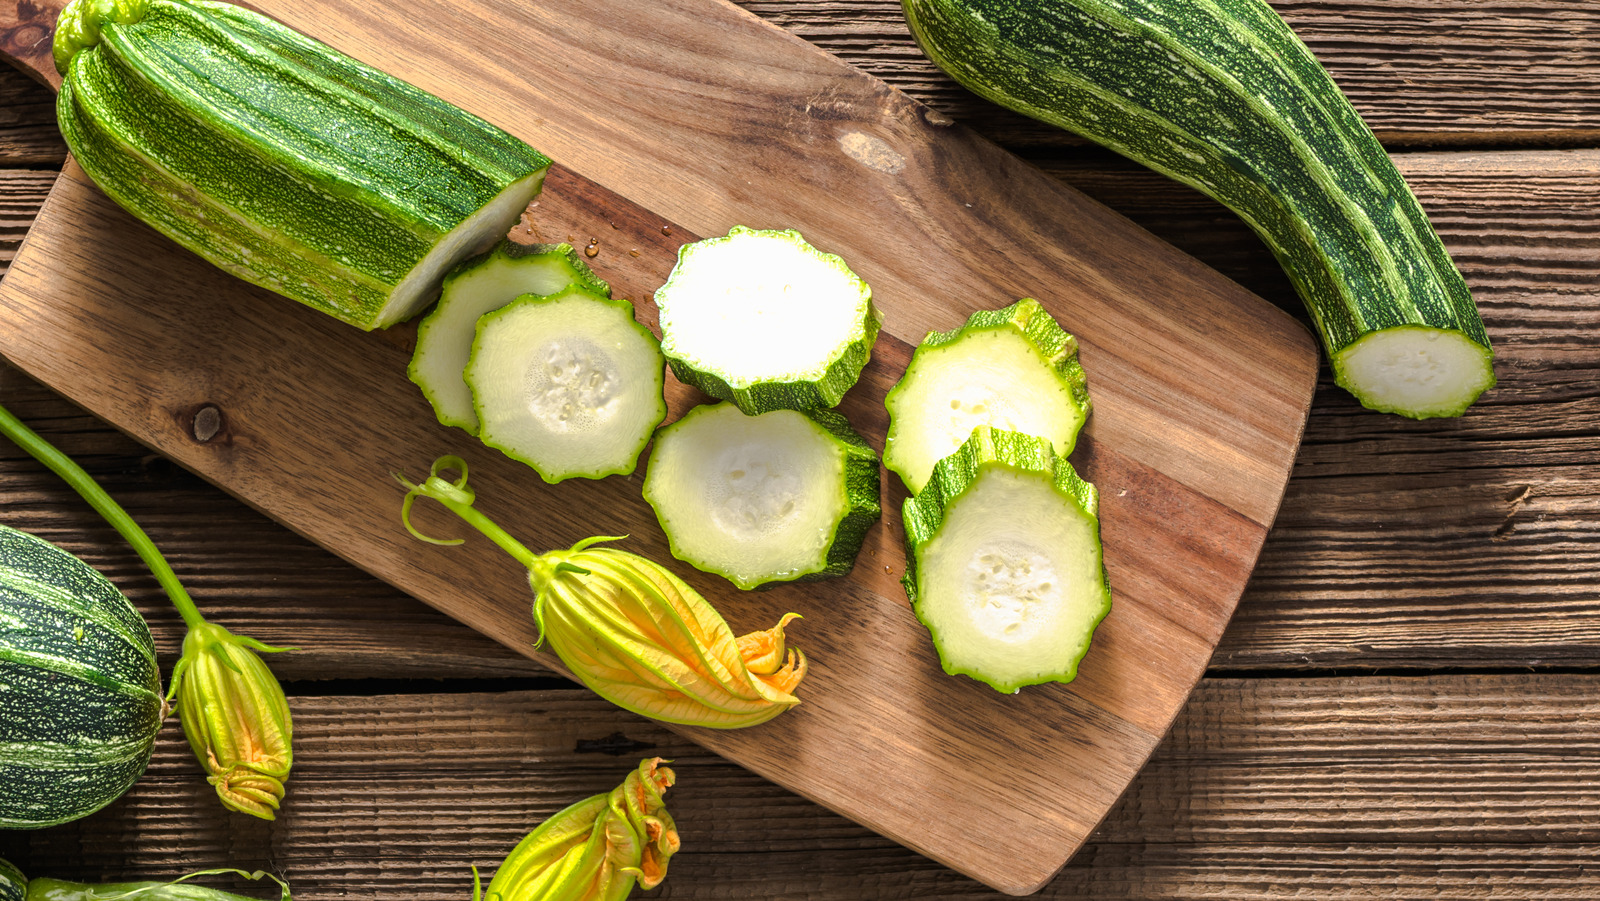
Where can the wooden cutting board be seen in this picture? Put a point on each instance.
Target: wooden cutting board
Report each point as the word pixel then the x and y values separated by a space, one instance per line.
pixel 704 117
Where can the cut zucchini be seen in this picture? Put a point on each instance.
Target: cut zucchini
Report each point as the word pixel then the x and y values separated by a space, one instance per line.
pixel 481 285
pixel 766 321
pixel 1004 563
pixel 763 499
pixel 569 383
pixel 1012 368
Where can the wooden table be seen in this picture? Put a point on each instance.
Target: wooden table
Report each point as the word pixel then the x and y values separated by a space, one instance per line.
pixel 1407 704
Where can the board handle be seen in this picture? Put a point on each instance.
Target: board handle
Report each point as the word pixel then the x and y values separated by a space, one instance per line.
pixel 26 27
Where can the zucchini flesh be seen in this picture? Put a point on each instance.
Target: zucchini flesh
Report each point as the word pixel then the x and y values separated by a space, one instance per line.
pixel 766 321
pixel 1012 368
pixel 281 160
pixel 1005 566
pixel 1221 95
pixel 759 500
pixel 570 384
pixel 477 286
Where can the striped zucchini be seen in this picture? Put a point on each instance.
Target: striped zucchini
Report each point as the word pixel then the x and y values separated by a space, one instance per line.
pixel 82 695
pixel 280 159
pixel 1221 95
pixel 13 885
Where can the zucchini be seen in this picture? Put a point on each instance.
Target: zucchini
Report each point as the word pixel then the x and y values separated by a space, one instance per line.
pixel 1004 564
pixel 766 321
pixel 82 695
pixel 569 383
pixel 281 160
pixel 13 885
pixel 477 286
pixel 1222 96
pixel 759 500
pixel 1012 368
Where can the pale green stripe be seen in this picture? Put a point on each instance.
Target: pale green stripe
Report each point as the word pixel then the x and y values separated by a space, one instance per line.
pixel 56 598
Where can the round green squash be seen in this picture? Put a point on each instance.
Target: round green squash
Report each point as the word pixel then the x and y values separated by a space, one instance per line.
pixel 80 694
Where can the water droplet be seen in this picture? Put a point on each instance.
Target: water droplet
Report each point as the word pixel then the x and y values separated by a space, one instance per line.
pixel 666 230
pixel 592 249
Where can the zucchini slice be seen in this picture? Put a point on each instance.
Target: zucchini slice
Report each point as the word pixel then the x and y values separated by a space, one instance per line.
pixel 766 321
pixel 1004 564
pixel 763 499
pixel 1012 368
pixel 477 286
pixel 568 383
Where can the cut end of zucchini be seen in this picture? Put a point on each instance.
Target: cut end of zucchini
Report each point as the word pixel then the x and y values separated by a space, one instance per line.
pixel 477 286
pixel 1416 371
pixel 1012 368
pixel 766 321
pixel 763 499
pixel 488 225
pixel 1005 564
pixel 569 384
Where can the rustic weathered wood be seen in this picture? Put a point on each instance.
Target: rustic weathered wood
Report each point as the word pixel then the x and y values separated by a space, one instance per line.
pixel 1421 72
pixel 1199 404
pixel 1343 788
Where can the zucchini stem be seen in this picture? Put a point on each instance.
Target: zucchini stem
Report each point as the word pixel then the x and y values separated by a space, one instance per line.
pixel 81 482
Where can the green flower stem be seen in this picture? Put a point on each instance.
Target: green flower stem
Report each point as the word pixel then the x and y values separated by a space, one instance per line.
pixel 81 482
pixel 457 498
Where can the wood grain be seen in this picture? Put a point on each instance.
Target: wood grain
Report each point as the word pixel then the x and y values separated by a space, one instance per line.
pixel 146 336
pixel 1344 788
pixel 1423 73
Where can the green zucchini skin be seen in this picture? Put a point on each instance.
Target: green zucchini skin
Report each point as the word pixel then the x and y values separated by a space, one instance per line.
pixel 82 691
pixel 1221 95
pixel 13 885
pixel 279 159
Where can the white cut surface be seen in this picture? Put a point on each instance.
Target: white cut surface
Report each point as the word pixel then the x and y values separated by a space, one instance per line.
pixel 992 377
pixel 570 385
pixel 755 499
pixel 484 227
pixel 757 308
pixel 1416 371
pixel 1011 585
pixel 444 340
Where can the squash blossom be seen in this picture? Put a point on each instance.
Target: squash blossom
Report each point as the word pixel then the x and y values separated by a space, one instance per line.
pixel 597 849
pixel 236 718
pixel 633 632
pixel 231 706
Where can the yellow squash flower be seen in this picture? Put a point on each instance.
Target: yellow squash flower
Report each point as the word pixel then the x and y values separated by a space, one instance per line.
pixel 236 718
pixel 597 849
pixel 633 632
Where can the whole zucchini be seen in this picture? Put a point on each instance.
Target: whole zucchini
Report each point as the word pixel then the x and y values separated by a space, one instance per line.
pixel 1221 95
pixel 80 695
pixel 280 159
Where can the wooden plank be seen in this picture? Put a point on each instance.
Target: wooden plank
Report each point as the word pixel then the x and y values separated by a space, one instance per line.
pixel 1421 72
pixel 1266 788
pixel 145 335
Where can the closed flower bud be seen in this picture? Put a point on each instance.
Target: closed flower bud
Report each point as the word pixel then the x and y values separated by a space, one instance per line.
pixel 636 634
pixel 598 849
pixel 236 718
